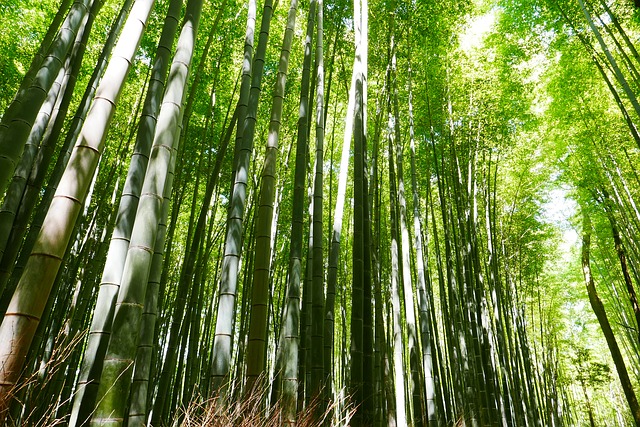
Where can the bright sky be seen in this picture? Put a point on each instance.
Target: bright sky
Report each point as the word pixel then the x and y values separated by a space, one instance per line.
pixel 559 210
pixel 477 29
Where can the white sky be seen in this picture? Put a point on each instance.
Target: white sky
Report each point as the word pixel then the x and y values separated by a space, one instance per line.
pixel 559 210
pixel 477 29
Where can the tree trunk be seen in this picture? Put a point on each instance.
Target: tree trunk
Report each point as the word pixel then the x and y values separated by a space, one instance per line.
pixel 100 328
pixel 622 257
pixel 249 90
pixel 138 408
pixel 357 307
pixel 291 321
pixel 396 297
pixel 257 344
pixel 115 381
pixel 599 311
pixel 317 310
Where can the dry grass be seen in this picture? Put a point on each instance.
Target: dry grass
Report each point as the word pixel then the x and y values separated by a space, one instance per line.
pixel 252 411
pixel 27 397
pixel 32 405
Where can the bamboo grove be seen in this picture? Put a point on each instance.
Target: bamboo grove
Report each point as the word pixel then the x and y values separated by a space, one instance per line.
pixel 242 212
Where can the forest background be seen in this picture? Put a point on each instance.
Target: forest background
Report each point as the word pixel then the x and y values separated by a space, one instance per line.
pixel 388 213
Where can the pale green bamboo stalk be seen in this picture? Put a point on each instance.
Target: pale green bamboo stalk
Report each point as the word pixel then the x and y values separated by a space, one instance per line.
pixel 357 295
pixel 235 219
pixel 396 289
pixel 336 234
pixel 257 343
pixel 409 307
pixel 317 298
pixel 27 305
pixel 115 381
pixel 138 410
pixel 221 355
pixel 290 337
pixel 398 363
pixel 11 202
pixel 423 301
pixel 100 328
